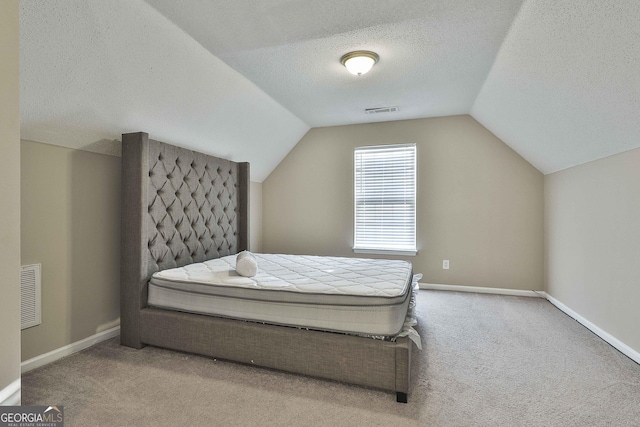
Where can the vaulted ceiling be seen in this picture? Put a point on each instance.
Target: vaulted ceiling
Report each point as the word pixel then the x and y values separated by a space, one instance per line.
pixel 557 80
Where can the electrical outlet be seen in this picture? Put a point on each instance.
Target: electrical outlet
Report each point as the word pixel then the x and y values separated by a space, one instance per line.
pixel 445 264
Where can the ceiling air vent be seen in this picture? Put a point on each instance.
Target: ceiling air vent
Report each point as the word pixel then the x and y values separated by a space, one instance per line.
pixel 381 110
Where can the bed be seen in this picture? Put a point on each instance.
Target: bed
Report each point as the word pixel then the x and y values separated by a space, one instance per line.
pixel 183 208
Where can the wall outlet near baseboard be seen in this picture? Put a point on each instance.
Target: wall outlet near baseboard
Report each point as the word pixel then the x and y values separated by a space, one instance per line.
pixel 445 264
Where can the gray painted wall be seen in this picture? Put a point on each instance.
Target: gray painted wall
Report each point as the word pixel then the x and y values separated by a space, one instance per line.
pixel 480 204
pixel 255 217
pixel 592 228
pixel 71 225
pixel 9 194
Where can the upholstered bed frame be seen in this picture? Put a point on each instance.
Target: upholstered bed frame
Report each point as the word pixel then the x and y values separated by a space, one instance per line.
pixel 181 207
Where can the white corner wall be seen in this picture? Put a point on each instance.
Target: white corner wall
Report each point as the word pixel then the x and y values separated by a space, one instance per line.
pixel 592 244
pixel 10 206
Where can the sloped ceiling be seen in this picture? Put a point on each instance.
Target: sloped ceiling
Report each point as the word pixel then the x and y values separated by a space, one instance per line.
pixel 91 70
pixel 245 79
pixel 434 55
pixel 565 87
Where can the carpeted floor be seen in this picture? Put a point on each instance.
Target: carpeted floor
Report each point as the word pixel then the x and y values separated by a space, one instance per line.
pixel 488 360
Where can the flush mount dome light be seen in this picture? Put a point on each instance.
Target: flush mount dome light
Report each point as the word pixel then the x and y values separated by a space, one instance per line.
pixel 360 61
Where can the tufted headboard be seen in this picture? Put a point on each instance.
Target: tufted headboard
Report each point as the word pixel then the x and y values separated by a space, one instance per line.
pixel 178 207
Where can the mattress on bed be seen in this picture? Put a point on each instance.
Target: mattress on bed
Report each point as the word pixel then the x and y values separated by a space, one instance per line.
pixel 352 295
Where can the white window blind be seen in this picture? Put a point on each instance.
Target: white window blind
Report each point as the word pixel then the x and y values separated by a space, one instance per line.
pixel 385 198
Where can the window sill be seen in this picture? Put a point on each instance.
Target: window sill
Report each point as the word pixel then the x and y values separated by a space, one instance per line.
pixel 384 252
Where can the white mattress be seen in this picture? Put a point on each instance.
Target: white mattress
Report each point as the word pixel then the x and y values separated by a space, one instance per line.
pixel 353 295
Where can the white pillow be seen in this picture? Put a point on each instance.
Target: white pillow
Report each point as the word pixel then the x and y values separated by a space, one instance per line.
pixel 246 264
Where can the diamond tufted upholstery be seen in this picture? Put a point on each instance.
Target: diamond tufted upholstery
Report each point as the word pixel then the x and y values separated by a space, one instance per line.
pixel 192 207
pixel 178 207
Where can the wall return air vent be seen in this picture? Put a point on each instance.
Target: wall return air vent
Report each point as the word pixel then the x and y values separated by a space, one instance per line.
pixel 30 290
pixel 381 110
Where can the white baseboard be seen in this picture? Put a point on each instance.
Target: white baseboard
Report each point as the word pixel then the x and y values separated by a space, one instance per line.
pixel 11 395
pixel 67 350
pixel 615 342
pixel 481 290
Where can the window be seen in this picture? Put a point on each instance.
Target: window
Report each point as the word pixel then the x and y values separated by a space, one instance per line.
pixel 385 199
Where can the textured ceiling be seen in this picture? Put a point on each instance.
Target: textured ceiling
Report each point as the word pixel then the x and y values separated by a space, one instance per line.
pixel 434 55
pixel 91 70
pixel 565 88
pixel 557 80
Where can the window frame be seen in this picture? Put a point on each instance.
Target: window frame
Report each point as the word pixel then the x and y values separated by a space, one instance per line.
pixel 381 249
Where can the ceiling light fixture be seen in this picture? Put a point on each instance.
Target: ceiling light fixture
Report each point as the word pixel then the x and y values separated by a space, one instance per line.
pixel 360 61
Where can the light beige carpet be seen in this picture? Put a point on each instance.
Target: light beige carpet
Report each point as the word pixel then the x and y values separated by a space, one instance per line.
pixel 488 360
